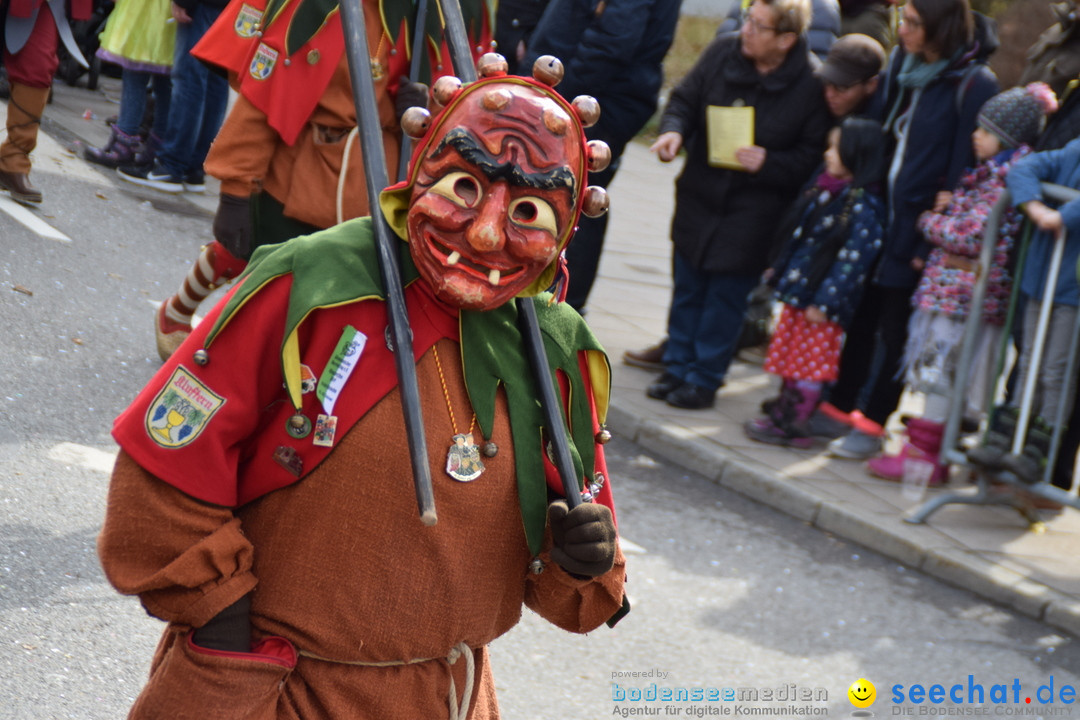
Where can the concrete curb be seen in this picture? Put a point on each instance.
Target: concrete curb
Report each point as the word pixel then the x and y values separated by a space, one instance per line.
pixel 916 546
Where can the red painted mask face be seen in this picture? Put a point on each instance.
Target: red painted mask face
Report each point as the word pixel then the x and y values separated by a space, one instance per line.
pixel 495 196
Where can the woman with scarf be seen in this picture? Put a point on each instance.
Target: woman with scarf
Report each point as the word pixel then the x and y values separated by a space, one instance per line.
pixel 935 83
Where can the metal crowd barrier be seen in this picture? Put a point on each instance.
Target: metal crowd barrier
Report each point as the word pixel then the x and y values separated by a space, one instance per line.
pixel 1002 487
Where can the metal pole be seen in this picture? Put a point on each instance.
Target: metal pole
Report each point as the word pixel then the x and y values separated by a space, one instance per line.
pixel 419 47
pixel 367 115
pixel 972 325
pixel 1060 194
pixel 458 41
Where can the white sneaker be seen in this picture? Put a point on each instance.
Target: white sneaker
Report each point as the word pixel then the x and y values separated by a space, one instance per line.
pixel 856 445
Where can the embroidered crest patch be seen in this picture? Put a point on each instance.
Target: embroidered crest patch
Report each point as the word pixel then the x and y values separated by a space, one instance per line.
pixel 246 21
pixel 263 62
pixel 181 410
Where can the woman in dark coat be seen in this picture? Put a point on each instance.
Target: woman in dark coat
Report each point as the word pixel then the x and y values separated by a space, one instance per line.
pixel 725 219
pixel 613 50
pixel 935 84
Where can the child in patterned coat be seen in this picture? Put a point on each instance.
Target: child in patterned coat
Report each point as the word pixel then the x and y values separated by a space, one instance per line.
pixel 1006 126
pixel 819 279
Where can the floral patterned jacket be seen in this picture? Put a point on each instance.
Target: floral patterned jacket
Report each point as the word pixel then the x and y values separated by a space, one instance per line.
pixel 957 235
pixel 838 292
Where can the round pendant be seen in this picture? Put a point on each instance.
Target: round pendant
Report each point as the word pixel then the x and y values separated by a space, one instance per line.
pixel 298 426
pixel 463 461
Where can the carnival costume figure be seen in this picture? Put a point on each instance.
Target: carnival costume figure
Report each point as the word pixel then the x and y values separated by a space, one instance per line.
pixel 260 503
pixel 33 30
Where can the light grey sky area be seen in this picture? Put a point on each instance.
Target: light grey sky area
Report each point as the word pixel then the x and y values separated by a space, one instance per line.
pixel 706 8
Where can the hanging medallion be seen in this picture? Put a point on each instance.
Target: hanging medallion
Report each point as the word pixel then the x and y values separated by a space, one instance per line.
pixel 463 461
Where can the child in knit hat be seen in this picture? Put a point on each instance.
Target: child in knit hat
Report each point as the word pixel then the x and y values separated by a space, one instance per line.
pixel 1007 125
pixel 1052 397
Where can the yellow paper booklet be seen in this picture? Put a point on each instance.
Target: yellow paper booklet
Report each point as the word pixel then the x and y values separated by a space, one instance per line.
pixel 729 128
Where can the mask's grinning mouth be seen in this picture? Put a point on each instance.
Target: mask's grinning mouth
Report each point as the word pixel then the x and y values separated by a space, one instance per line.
pixel 453 258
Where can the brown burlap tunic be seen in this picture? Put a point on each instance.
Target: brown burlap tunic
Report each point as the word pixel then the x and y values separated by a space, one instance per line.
pixel 342 567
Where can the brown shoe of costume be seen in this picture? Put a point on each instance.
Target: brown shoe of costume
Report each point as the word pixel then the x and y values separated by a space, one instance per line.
pixel 23 119
pixel 18 184
pixel 651 358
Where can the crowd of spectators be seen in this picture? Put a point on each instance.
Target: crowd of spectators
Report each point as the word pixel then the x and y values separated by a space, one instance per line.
pixel 918 71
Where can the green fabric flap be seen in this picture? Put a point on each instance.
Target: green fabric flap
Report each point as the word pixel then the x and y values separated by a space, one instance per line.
pixel 273 9
pixel 309 17
pixel 330 267
pixel 493 353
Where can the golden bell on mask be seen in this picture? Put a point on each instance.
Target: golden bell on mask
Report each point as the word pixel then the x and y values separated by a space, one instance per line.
pixel 599 155
pixel 492 64
pixel 549 70
pixel 596 201
pixel 588 109
pixel 445 88
pixel 415 122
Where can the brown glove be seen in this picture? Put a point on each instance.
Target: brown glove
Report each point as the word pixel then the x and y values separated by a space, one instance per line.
pixel 583 538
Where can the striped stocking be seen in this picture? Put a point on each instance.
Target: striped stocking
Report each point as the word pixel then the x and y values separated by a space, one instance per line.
pixel 214 266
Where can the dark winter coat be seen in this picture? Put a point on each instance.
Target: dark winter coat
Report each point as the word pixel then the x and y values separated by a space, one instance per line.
pixel 612 50
pixel 725 220
pixel 514 23
pixel 1061 167
pixel 935 151
pixel 1063 125
pixel 838 291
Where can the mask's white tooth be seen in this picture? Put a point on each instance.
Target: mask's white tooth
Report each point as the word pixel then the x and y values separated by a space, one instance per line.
pixel 452 258
pixel 494 276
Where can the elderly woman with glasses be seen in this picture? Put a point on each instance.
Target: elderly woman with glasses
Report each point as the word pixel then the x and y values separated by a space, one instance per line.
pixel 725 216
pixel 934 85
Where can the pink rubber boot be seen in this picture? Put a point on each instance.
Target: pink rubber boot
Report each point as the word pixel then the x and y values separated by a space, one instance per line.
pixel 924 443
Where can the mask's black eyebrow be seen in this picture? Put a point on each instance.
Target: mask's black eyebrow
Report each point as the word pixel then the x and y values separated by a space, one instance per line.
pixel 473 151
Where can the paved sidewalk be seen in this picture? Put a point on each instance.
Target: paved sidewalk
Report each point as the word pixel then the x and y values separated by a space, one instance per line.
pixel 988 550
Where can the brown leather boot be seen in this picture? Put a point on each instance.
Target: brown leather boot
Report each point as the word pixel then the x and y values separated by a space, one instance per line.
pixel 18 184
pixel 23 119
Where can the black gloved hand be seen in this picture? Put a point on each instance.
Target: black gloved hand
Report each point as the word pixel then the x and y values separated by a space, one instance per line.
pixel 584 538
pixel 410 94
pixel 229 630
pixel 233 225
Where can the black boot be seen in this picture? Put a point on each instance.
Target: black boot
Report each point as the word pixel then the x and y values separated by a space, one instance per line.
pixel 1030 463
pixel 998 439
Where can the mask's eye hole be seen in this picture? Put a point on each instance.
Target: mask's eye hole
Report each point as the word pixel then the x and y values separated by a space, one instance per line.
pixel 532 212
pixel 459 188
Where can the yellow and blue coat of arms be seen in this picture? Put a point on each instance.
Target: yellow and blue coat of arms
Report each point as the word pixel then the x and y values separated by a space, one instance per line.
pixel 181 410
pixel 247 20
pixel 263 62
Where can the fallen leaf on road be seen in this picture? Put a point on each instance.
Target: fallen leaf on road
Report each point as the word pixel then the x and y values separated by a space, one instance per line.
pixel 21 289
pixel 101 195
pixel 77 341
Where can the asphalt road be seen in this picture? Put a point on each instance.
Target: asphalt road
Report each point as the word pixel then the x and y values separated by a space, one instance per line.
pixel 727 593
